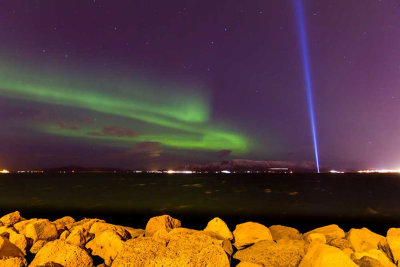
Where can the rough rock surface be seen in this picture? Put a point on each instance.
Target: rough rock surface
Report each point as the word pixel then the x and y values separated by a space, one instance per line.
pixel 321 255
pixel 37 246
pixel 100 227
pixel 316 237
pixel 106 245
pixel 61 224
pixel 378 255
pixel 368 262
pixel 219 227
pixel 13 262
pixel 249 233
pixel 363 239
pixel 9 250
pixel 248 264
pixel 17 239
pixel 41 229
pixel 330 231
pixel 393 240
pixel 284 232
pixel 79 236
pixel 285 252
pixel 61 252
pixel 11 218
pixel 164 221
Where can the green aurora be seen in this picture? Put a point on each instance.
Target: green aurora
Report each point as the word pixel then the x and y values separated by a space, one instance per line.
pixel 166 115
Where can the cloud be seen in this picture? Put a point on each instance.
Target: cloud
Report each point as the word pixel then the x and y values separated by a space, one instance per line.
pixel 115 131
pixel 223 153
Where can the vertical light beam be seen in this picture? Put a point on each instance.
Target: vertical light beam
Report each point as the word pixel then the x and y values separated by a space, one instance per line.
pixel 307 74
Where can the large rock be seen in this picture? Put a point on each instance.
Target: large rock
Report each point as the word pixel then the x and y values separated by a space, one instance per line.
pixel 316 237
pixel 13 262
pixel 61 224
pixel 284 232
pixel 8 249
pixel 185 248
pixel 38 246
pixel 106 245
pixel 368 262
pixel 378 255
pixel 134 232
pixel 363 239
pixel 285 252
pixel 219 227
pixel 321 255
pixel 330 231
pixel 340 243
pixel 21 226
pixel 393 239
pixel 79 236
pixel 11 218
pixel 100 227
pixel 249 233
pixel 41 230
pixel 164 221
pixel 62 253
pixel 84 223
pixel 17 239
pixel 248 264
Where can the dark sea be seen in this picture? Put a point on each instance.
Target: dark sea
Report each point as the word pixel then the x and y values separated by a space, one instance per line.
pixel 303 201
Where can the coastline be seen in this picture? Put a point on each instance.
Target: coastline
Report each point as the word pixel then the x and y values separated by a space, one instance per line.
pixel 164 241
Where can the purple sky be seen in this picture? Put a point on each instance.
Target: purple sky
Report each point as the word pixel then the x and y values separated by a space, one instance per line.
pixel 242 57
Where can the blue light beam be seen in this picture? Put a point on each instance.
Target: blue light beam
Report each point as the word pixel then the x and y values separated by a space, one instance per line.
pixel 307 74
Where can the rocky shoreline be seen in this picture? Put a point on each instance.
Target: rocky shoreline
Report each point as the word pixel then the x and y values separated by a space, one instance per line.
pixel 164 242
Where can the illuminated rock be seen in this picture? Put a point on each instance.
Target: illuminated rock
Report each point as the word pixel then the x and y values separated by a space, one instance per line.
pixel 284 232
pixel 62 253
pixel 8 249
pixel 330 231
pixel 248 264
pixel 17 239
pixel 63 222
pixel 37 246
pixel 79 236
pixel 106 245
pixel 99 227
pixel 368 262
pixel 219 227
pixel 64 235
pixel 316 237
pixel 21 226
pixel 135 233
pixel 13 262
pixel 321 255
pixel 363 239
pixel 85 223
pixel 11 218
pixel 340 243
pixel 376 254
pixel 249 233
pixel 285 252
pixel 393 239
pixel 164 221
pixel 41 229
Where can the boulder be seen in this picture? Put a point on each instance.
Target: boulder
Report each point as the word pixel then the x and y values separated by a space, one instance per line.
pixel 13 262
pixel 79 236
pixel 321 255
pixel 164 221
pixel 284 232
pixel 316 237
pixel 64 235
pixel 219 227
pixel 393 240
pixel 135 233
pixel 185 248
pixel 340 243
pixel 41 229
pixel 8 249
pixel 368 262
pixel 11 218
pixel 106 245
pixel 17 239
pixel 84 223
pixel 20 227
pixel 249 233
pixel 37 246
pixel 330 231
pixel 100 227
pixel 285 252
pixel 378 255
pixel 248 264
pixel 363 239
pixel 62 253
pixel 61 224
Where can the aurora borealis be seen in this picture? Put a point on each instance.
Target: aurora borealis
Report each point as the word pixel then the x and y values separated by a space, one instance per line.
pixel 132 84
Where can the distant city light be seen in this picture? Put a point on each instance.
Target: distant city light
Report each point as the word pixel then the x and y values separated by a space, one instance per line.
pixel 379 171
pixel 182 172
pixel 333 171
pixel 225 171
pixel 4 171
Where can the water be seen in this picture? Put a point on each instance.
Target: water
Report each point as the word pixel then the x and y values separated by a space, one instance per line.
pixel 303 201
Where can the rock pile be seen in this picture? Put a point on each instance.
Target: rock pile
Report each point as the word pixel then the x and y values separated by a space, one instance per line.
pixel 93 242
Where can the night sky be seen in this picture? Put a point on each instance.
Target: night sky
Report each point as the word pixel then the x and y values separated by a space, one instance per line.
pixel 155 84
